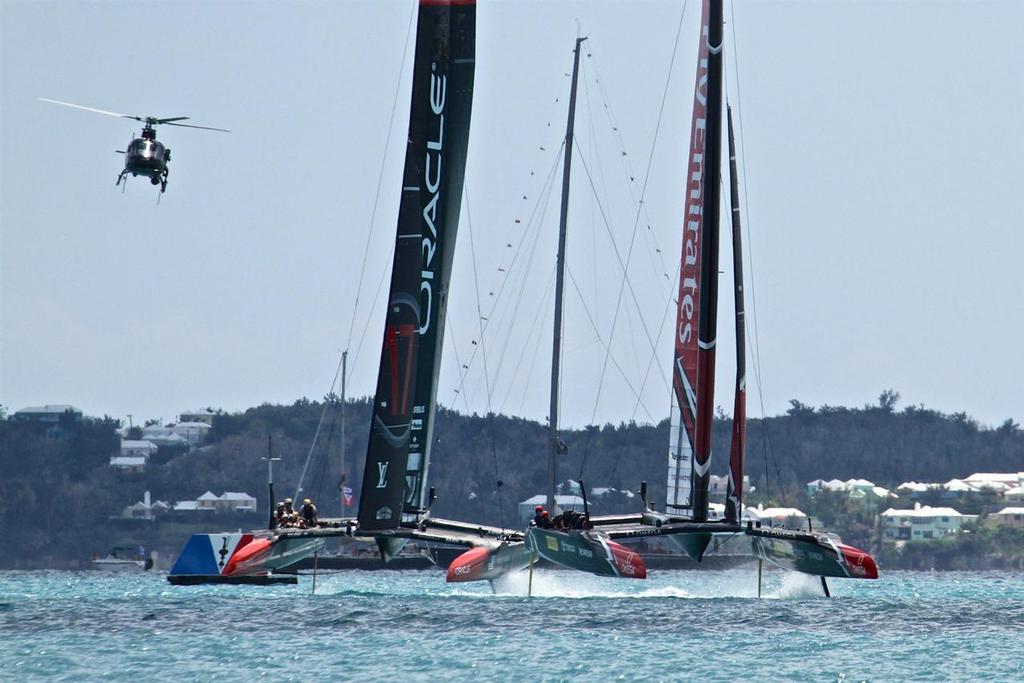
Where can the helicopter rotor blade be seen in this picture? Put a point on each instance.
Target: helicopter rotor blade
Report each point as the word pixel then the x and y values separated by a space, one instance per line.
pixel 92 109
pixel 186 125
pixel 173 118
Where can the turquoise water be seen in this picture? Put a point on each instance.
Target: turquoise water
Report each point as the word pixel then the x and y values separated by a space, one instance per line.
pixel 365 626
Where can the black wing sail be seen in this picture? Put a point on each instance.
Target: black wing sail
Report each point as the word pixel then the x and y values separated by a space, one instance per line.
pixel 398 454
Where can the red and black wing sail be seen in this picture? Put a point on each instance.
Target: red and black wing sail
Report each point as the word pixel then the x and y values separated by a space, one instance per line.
pixel 394 477
pixel 693 365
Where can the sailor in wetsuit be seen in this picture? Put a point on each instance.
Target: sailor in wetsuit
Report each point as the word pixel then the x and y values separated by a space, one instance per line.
pixel 538 516
pixel 559 523
pixel 286 515
pixel 307 514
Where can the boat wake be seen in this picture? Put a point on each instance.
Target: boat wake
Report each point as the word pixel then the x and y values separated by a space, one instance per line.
pixel 725 585
pixel 560 584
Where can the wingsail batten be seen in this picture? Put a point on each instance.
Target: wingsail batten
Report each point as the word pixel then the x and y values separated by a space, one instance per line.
pixel 398 454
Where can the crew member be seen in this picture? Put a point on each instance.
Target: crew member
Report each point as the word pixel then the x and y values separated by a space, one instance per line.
pixel 545 520
pixel 538 515
pixel 307 514
pixel 288 516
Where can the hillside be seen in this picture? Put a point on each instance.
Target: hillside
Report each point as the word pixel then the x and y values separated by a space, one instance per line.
pixel 65 491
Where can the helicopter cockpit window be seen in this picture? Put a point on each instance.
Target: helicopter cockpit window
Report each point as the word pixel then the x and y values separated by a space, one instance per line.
pixel 142 148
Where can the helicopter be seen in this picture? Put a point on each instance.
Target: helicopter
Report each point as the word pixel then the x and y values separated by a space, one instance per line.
pixel 144 155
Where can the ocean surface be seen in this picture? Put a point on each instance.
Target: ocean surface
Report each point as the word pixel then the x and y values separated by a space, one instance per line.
pixel 410 626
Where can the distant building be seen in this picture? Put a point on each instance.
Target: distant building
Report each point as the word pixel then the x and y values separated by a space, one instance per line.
pixel 1009 516
pixel 164 436
pixel 914 489
pixel 131 447
pixel 923 522
pixel 194 433
pixel 860 491
pixel 1014 495
pixel 57 418
pixel 718 485
pixel 996 481
pixel 203 415
pixel 230 501
pixel 790 518
pixel 133 463
pixel 979 482
pixel 235 501
pixel 134 455
pixel 144 509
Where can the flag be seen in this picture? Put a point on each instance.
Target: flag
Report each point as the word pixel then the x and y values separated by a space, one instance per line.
pixel 347 495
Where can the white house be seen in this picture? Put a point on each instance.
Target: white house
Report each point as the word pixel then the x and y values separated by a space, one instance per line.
pixel 235 501
pixel 914 487
pixel 201 415
pixel 998 481
pixel 790 518
pixel 135 448
pixel 1008 516
pixel 163 436
pixel 129 463
pixel 207 501
pixel 922 522
pixel 1014 495
pixel 861 491
pixel 193 432
pixel 230 501
pixel 145 509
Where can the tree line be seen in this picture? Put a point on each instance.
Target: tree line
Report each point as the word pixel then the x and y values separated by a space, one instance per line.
pixel 481 465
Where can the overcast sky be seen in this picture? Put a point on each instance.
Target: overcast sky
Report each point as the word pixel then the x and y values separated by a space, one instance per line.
pixel 881 144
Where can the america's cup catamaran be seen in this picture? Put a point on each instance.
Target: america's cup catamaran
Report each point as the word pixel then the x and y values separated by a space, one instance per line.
pixel 394 505
pixel 584 548
pixel 685 520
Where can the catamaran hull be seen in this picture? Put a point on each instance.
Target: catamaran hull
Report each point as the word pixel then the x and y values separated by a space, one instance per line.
pixel 232 555
pixel 586 551
pixel 813 554
pixel 265 555
pixel 486 564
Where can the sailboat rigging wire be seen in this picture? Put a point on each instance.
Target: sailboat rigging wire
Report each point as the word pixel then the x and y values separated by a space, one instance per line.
pixel 766 442
pixel 507 337
pixel 366 252
pixel 624 157
pixel 542 311
pixel 458 363
pixel 632 240
pixel 540 203
pixel 319 424
pixel 380 184
pixel 597 332
pixel 323 462
pixel 671 299
pixel 618 255
pixel 483 349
